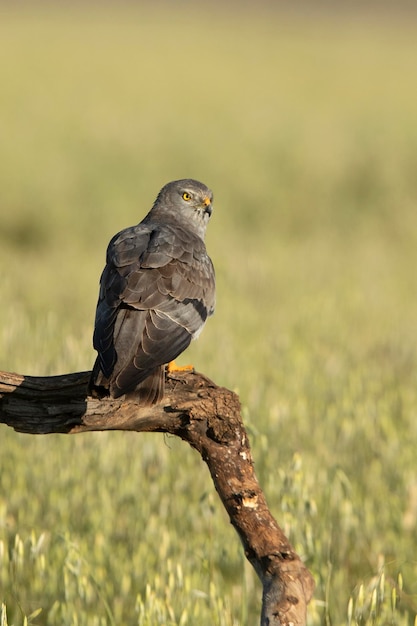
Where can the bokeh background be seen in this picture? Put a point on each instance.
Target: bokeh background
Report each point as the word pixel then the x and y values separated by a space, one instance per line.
pixel 303 120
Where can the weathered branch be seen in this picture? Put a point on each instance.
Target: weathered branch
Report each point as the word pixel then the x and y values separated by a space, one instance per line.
pixel 208 418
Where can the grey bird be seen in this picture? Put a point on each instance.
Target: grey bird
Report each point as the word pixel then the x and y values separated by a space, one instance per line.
pixel 156 292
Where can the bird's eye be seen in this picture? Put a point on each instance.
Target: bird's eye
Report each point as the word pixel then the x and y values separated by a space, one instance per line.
pixel 186 196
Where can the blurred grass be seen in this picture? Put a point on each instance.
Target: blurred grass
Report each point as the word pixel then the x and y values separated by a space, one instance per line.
pixel 306 129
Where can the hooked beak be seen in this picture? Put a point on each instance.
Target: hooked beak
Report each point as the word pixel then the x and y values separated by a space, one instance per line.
pixel 207 203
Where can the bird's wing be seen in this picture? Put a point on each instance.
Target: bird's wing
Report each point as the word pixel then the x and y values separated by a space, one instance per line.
pixel 157 290
pixel 123 250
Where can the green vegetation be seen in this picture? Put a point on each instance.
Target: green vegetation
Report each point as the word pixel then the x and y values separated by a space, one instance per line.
pixel 306 129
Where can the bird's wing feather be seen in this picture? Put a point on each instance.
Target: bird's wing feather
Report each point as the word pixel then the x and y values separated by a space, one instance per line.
pixel 123 250
pixel 157 290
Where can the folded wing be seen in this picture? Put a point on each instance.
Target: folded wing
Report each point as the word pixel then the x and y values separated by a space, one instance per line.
pixel 156 292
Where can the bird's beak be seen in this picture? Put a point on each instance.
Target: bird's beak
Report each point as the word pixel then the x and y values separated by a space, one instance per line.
pixel 207 204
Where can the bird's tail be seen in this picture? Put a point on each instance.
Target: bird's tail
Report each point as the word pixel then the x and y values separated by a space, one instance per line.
pixel 151 390
pixel 147 392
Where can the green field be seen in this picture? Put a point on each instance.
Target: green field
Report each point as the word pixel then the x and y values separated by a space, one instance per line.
pixel 305 127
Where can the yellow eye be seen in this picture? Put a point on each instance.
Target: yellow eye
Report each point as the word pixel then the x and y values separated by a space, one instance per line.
pixel 186 196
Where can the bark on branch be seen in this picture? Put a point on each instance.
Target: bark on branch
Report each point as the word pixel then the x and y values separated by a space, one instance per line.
pixel 208 418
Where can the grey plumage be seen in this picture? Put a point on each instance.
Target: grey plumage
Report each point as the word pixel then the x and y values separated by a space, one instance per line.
pixel 156 292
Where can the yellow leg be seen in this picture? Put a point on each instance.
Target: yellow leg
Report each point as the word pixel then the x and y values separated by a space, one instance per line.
pixel 173 367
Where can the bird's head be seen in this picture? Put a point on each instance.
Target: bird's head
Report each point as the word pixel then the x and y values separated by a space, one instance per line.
pixel 186 200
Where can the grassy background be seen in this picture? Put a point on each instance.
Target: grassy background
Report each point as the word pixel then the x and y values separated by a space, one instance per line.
pixel 305 126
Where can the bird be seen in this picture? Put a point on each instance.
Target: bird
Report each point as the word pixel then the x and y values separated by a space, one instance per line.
pixel 157 290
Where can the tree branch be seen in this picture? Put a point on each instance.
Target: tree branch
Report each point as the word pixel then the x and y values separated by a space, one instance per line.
pixel 208 418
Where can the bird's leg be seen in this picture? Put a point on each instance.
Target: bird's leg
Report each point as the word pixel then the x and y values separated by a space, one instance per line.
pixel 172 367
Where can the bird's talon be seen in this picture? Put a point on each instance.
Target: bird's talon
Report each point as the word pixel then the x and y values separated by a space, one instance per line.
pixel 172 367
